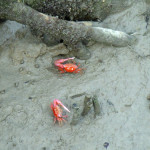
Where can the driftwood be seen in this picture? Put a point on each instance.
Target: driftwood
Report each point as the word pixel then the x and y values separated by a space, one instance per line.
pixel 74 35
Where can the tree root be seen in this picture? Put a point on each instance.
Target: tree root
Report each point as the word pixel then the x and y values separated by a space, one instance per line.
pixel 73 34
pixel 112 37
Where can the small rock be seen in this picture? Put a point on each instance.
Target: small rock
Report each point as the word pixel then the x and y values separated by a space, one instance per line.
pixel 106 144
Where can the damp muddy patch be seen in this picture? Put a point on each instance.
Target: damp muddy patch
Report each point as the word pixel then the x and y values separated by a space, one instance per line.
pixel 119 77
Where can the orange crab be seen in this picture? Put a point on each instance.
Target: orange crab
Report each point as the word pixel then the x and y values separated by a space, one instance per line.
pixel 57 111
pixel 71 67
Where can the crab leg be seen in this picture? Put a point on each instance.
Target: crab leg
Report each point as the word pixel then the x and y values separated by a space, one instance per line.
pixel 54 120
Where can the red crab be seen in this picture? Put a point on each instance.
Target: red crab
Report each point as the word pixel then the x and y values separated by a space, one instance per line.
pixel 69 67
pixel 57 111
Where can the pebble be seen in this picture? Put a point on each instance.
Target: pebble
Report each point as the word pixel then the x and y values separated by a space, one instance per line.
pixel 106 144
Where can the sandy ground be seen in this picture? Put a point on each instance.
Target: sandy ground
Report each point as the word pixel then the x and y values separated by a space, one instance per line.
pixel 118 76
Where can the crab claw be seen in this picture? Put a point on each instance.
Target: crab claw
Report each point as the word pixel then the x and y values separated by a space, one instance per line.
pixel 58 102
pixel 72 58
pixel 59 62
pixel 67 59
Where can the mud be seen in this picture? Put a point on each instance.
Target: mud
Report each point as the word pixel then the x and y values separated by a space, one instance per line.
pixel 119 77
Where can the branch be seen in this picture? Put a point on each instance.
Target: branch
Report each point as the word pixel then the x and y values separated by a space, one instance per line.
pixel 73 34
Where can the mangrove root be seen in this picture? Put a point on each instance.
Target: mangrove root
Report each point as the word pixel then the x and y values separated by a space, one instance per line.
pixel 74 35
pixel 96 106
pixel 76 115
pixel 87 105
